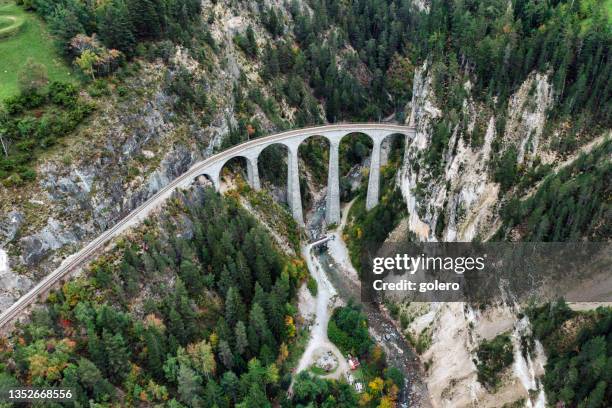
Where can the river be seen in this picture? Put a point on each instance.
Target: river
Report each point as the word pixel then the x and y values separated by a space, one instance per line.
pixel 336 266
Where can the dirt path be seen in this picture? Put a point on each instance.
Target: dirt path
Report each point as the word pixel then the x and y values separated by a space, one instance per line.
pixel 338 250
pixel 325 301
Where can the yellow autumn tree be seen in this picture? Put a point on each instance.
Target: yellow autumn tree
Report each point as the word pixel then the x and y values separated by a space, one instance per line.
pixel 214 339
pixel 272 374
pixel 38 365
pixel 87 61
pixel 376 386
pixel 202 357
pixel 290 326
pixel 365 399
pixel 283 353
pixel 377 354
pixel 386 402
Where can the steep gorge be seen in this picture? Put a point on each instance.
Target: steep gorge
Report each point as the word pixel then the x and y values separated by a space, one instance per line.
pixel 137 142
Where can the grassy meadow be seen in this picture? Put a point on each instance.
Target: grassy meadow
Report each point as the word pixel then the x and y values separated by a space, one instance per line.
pixel 23 36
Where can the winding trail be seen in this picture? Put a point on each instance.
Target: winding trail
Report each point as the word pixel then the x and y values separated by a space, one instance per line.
pixel 319 341
pixel 337 279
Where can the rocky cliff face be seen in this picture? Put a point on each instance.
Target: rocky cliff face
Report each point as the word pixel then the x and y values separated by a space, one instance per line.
pixel 132 147
pixel 465 198
pixel 127 153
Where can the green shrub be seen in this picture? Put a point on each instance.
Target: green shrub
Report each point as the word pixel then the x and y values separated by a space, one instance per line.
pixel 98 88
pixel 28 174
pixel 348 329
pixel 62 93
pixel 35 121
pixel 493 357
pixel 312 286
pixel 13 180
pixel 404 321
pixel 122 90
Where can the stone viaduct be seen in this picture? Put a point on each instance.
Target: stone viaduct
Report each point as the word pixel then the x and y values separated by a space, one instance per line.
pixel 334 134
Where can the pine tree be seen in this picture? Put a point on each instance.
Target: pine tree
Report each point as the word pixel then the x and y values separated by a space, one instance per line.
pixel 189 386
pixel 241 339
pixel 246 281
pixel 145 18
pixel 155 352
pixel 223 331
pixel 225 281
pixel 96 350
pixel 176 326
pixel 251 42
pixel 234 307
pixel 258 333
pixel 276 315
pixel 190 273
pixel 117 354
pixel 64 25
pixel 259 296
pixel 255 398
pixel 231 385
pixel 115 28
pixel 203 358
pixel 213 395
pixel 225 354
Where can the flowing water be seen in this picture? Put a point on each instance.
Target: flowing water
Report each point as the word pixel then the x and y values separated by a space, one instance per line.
pixel 398 352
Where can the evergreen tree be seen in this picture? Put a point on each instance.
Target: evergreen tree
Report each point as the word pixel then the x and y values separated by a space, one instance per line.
pixel 190 273
pixel 225 354
pixel 231 386
pixel 213 395
pixel 234 307
pixel 189 386
pixel 250 35
pixel 145 18
pixel 255 398
pixel 118 356
pixel 258 333
pixel 115 28
pixel 155 352
pixel 241 338
pixel 96 350
pixel 246 281
pixel 64 25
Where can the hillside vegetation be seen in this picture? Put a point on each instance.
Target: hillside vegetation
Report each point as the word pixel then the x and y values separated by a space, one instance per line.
pixel 568 206
pixel 195 309
pixel 579 351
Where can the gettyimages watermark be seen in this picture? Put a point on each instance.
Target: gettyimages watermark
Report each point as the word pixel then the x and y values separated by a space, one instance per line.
pixel 484 272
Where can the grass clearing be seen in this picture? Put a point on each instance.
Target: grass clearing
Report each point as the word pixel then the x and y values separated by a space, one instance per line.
pixel 29 40
pixel 320 371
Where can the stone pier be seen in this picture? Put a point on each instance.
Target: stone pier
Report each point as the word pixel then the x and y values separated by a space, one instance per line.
pixel 332 214
pixel 294 196
pixel 374 178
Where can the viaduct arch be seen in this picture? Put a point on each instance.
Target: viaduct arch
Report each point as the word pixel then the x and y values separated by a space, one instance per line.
pixel 251 150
